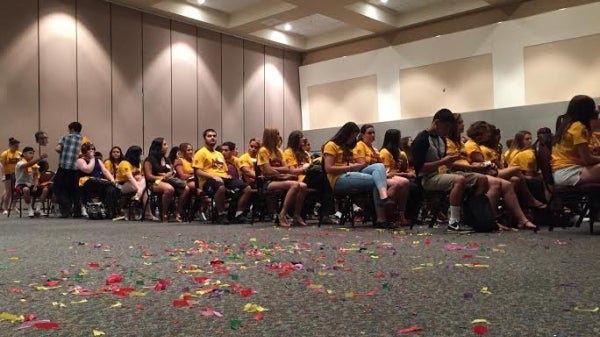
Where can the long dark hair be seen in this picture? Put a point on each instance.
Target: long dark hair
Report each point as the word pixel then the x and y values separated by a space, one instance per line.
pixel 582 109
pixel 133 155
pixel 406 147
pixel 391 142
pixel 155 150
pixel 518 142
pixel 270 140
pixel 453 133
pixel 295 143
pixel 342 139
pixel 363 130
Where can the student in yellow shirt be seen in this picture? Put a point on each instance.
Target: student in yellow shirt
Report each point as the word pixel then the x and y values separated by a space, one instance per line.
pixel 523 154
pixel 183 164
pixel 296 157
pixel 345 173
pixel 498 187
pixel 209 167
pixel 114 158
pixel 572 161
pixel 270 163
pixel 9 159
pixel 247 162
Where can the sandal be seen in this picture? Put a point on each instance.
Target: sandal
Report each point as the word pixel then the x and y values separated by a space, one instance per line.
pixel 298 221
pixel 526 224
pixel 504 228
pixel 178 218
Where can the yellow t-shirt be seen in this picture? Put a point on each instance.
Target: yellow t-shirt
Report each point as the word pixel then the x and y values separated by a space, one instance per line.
pixel 508 155
pixel 388 161
pixel 337 152
pixel 246 160
pixel 489 153
pixel 453 148
pixel 265 156
pixel 124 168
pixel 472 147
pixel 109 166
pixel 524 159
pixel 563 152
pixel 362 150
pixel 289 158
pixel 211 162
pixel 187 166
pixel 595 143
pixel 9 160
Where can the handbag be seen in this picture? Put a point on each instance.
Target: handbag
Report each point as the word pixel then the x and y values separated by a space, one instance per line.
pixel 175 182
pixel 283 177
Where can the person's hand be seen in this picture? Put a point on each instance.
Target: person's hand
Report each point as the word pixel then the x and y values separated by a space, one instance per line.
pixel 218 179
pixel 451 158
pixel 358 167
pixel 43 156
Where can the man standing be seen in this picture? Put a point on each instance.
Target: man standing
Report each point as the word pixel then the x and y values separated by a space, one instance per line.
pixel 210 168
pixel 429 155
pixel 67 176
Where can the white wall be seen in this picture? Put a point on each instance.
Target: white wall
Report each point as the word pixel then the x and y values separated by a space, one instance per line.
pixel 505 41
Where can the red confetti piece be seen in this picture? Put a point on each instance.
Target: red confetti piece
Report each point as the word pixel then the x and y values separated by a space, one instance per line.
pixel 216 263
pixel 410 329
pixel 200 279
pixel 480 329
pixel 380 275
pixel 427 241
pixel 30 317
pixel 162 284
pixel 259 316
pixel 467 256
pixel 51 283
pixel 284 273
pixel 46 325
pixel 15 290
pixel 246 292
pixel 123 291
pixel 181 303
pixel 114 278
pixel 94 265
pixel 139 307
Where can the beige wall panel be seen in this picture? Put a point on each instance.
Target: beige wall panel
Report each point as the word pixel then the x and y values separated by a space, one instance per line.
pixel 273 88
pixel 254 92
pixel 185 86
pixel 292 116
pixel 157 79
pixel 19 72
pixel 233 90
pixel 336 103
pixel 209 82
pixel 460 85
pixel 560 70
pixel 127 120
pixel 93 72
pixel 58 78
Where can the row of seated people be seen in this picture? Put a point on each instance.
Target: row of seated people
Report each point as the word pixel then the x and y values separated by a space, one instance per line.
pixel 442 161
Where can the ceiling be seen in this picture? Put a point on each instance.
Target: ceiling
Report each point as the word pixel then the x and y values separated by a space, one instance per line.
pixel 307 25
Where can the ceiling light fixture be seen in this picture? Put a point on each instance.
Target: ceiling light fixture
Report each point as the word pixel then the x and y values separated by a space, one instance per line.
pixel 383 1
pixel 200 2
pixel 287 27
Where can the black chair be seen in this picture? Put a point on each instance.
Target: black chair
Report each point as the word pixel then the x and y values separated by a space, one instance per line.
pixel 567 202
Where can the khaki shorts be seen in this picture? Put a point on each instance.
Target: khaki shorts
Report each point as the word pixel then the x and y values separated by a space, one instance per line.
pixel 568 176
pixel 445 181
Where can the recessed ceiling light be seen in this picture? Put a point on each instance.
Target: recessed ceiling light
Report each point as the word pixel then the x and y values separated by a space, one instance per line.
pixel 200 2
pixel 287 27
pixel 383 1
pixel 499 22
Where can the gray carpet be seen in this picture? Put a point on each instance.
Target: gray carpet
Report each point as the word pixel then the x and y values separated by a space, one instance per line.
pixel 314 281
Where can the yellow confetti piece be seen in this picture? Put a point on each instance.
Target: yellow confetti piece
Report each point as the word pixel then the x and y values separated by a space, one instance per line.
pixel 416 242
pixel 117 305
pixel 59 304
pixel 40 288
pixel 596 309
pixel 480 321
pixel 344 229
pixel 250 307
pixel 79 302
pixel 14 258
pixel 374 256
pixel 5 316
pixel 485 290
pixel 98 333
pixel 349 295
pixel 329 291
pixel 137 294
pixel 252 240
pixel 315 286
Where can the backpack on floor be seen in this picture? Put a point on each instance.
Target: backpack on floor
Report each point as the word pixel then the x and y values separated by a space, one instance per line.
pixel 95 210
pixel 478 213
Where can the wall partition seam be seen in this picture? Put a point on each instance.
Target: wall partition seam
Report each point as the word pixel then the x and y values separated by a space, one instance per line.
pixel 39 79
pixel 143 100
pixel 110 36
pixel 76 62
pixel 197 87
pixel 171 71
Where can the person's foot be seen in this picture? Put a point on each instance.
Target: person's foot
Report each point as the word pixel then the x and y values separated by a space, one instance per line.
pixel 298 221
pixel 538 205
pixel 151 217
pixel 222 219
pixel 504 228
pixel 241 219
pixel 329 220
pixel 526 224
pixel 283 221
pixel 5 212
pixel 459 227
pixel 30 212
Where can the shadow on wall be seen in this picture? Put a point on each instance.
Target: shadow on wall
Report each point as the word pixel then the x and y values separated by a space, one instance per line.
pixel 508 120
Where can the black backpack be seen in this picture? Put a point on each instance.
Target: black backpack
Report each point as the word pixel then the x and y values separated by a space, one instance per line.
pixel 478 213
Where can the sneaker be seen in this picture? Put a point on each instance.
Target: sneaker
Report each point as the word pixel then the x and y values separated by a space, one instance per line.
pixel 459 227
pixel 222 219
pixel 84 212
pixel 5 212
pixel 30 212
pixel 241 219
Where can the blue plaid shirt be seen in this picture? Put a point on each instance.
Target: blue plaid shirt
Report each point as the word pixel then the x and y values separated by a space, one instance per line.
pixel 71 143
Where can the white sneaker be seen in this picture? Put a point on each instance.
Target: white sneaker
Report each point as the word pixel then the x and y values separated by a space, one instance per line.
pixel 5 212
pixel 30 212
pixel 84 212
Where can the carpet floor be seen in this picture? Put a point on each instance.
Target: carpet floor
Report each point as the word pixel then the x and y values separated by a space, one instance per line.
pixel 101 278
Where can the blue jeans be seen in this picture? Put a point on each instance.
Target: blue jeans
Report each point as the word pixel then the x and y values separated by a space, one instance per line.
pixel 371 177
